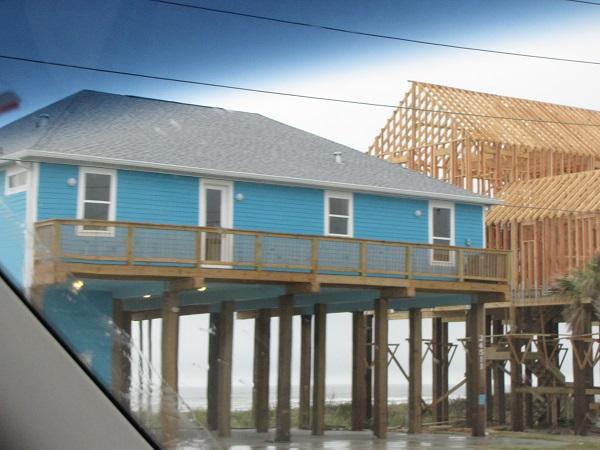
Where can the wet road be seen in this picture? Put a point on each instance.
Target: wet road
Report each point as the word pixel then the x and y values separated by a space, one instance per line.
pixel 249 440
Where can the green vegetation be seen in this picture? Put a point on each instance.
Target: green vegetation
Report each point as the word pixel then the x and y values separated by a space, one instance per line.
pixel 338 416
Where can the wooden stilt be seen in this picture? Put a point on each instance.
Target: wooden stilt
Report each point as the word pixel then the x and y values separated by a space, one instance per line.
pixel 305 366
pixel 121 353
pixel 318 415
pixel 224 364
pixel 169 411
pixel 380 411
pixel 415 412
pixel 445 365
pixel 141 368
pixel 437 361
pixel 498 374
pixel 477 371
pixel 369 347
pixel 516 398
pixel 149 394
pixel 581 381
pixel 528 399
pixel 359 370
pixel 212 405
pixel 468 392
pixel 284 371
pixel 36 294
pixel 553 407
pixel 489 374
pixel 262 344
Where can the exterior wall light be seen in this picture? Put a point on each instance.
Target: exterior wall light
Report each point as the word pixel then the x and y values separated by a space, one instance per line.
pixel 147 296
pixel 418 213
pixel 71 182
pixel 77 285
pixel 239 196
pixel 202 289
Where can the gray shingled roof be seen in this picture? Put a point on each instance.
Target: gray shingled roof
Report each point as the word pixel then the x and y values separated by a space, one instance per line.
pixel 92 124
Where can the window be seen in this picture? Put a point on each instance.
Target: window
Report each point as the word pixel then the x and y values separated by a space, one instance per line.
pixel 338 214
pixel 16 180
pixel 441 226
pixel 96 199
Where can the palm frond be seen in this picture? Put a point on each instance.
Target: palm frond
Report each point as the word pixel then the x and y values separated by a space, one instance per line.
pixel 583 284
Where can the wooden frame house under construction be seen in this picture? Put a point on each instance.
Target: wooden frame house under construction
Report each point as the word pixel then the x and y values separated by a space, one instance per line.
pixel 541 159
pixel 480 142
pixel 553 228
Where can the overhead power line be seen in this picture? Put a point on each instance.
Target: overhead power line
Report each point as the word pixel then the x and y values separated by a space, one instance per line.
pixel 282 93
pixel 375 35
pixel 585 2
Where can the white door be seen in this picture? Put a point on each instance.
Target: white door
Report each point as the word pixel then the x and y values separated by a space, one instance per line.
pixel 216 211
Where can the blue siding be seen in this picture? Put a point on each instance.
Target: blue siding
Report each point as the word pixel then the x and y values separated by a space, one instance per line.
pixel 56 199
pixel 12 232
pixel 141 196
pixel 83 320
pixel 172 199
pixel 390 218
pixel 468 221
pixel 157 198
pixel 280 209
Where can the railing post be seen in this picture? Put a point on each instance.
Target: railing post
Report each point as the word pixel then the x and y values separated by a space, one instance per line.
pixel 314 255
pixel 461 264
pixel 508 276
pixel 363 258
pixel 198 247
pixel 408 262
pixel 130 232
pixel 258 252
pixel 56 244
pixel 37 242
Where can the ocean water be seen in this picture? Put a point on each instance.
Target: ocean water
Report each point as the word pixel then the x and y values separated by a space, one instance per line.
pixel 241 395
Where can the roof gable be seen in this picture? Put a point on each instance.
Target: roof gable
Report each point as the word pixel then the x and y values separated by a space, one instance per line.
pixel 483 112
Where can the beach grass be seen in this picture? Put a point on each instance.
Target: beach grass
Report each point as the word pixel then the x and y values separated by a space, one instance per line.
pixel 338 416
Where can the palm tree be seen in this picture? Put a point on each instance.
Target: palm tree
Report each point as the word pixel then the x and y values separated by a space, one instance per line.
pixel 584 284
pixel 581 285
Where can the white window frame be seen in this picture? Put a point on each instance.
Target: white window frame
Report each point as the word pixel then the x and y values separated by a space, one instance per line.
pixel 226 187
pixel 345 196
pixel 81 201
pixel 11 172
pixel 445 205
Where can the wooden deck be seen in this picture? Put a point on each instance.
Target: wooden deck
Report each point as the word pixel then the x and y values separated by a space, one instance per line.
pixel 189 256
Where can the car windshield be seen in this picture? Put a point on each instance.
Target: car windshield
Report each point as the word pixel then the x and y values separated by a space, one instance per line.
pixel 256 222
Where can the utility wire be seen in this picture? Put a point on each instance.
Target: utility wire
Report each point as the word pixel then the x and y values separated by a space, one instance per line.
pixel 375 35
pixel 585 2
pixel 506 205
pixel 282 93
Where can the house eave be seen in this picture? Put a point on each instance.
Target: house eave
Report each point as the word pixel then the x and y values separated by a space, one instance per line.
pixel 40 155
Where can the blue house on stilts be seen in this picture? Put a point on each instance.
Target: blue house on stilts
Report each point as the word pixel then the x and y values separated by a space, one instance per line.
pixel 136 208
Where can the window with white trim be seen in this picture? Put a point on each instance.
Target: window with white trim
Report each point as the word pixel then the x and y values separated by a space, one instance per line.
pixel 441 230
pixel 338 214
pixel 15 180
pixel 96 198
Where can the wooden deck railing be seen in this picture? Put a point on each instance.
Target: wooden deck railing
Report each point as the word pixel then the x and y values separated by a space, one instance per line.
pixel 142 244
